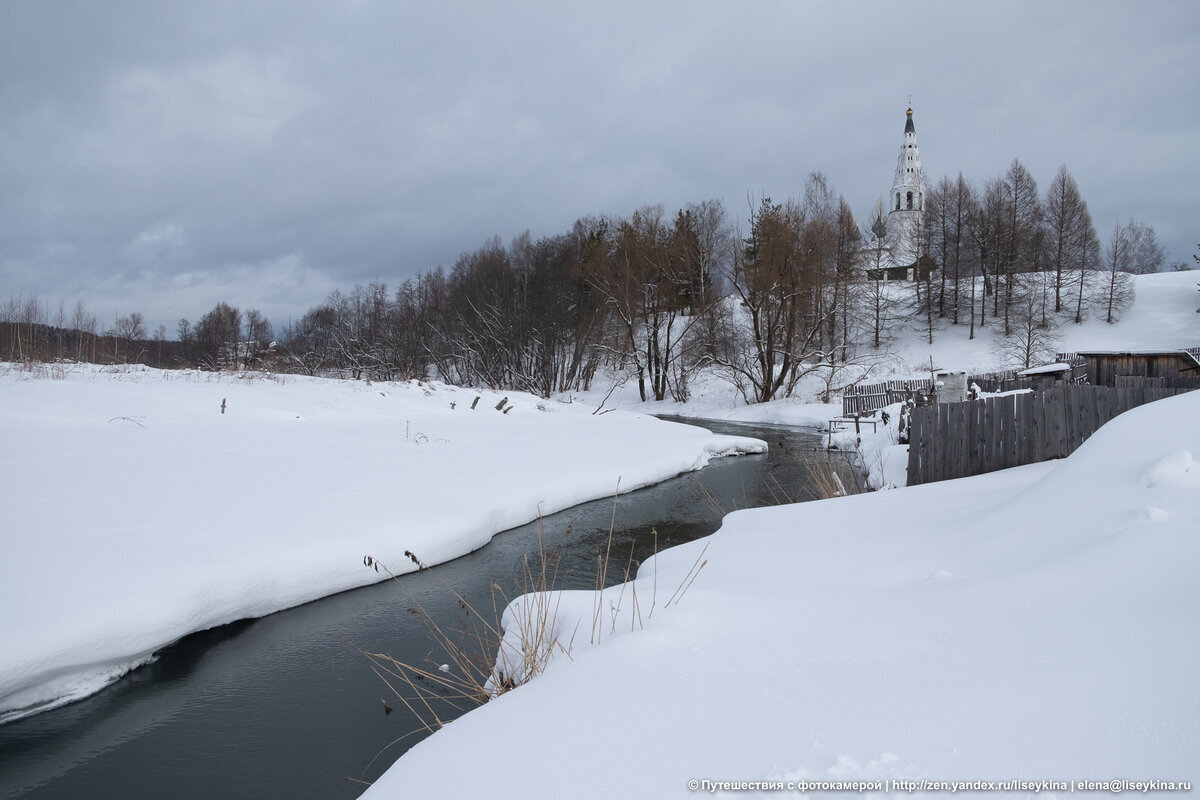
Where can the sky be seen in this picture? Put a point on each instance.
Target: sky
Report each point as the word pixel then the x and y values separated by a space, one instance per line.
pixel 164 157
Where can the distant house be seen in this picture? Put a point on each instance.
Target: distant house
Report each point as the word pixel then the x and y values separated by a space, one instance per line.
pixel 1105 366
pixel 920 270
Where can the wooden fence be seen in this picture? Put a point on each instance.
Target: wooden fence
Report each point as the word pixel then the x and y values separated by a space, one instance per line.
pixel 954 440
pixel 869 397
pixel 1126 381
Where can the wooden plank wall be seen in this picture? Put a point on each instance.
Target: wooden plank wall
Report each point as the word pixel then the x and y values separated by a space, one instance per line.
pixel 1125 381
pixel 955 440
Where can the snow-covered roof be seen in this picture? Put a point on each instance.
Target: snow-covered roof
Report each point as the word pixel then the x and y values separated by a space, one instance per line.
pixel 1046 369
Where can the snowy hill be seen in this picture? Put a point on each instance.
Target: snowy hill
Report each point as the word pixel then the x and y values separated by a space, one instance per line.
pixel 1162 317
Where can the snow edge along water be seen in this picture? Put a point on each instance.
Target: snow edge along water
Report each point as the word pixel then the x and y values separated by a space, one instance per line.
pixel 132 556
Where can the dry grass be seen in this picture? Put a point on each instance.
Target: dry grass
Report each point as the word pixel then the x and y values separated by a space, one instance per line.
pixel 510 643
pixel 824 479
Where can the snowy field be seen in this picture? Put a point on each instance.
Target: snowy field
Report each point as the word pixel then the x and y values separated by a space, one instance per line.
pixel 1038 624
pixel 133 511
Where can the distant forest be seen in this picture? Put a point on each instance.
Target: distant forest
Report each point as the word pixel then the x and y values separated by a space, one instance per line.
pixel 658 296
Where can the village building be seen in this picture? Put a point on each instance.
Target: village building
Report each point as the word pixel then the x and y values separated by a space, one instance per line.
pixel 1109 367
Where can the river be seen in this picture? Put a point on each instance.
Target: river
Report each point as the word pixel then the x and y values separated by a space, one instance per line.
pixel 286 707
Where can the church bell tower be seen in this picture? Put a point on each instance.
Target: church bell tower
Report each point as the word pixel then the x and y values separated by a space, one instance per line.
pixel 906 203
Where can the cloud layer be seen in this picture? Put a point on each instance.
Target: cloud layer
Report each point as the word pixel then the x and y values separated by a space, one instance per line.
pixel 163 157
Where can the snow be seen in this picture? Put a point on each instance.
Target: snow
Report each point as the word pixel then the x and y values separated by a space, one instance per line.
pixel 134 511
pixel 1034 624
pixel 1046 369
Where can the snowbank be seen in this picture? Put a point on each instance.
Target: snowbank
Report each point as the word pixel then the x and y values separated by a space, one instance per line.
pixel 1035 624
pixel 135 510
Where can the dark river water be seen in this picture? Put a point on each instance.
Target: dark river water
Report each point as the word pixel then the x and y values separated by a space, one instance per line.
pixel 286 706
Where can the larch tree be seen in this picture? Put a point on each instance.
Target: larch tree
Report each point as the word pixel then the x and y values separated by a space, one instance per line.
pixel 1020 241
pixel 1118 260
pixel 1067 221
pixel 882 304
pixel 1090 258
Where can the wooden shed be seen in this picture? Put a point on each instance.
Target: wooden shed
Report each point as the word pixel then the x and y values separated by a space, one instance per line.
pixel 1104 367
pixel 1046 376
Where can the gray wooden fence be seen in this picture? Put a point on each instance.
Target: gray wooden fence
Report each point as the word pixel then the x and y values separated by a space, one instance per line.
pixel 954 440
pixel 866 398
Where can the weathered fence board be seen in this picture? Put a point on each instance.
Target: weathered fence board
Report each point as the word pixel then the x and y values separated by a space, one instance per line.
pixel 954 440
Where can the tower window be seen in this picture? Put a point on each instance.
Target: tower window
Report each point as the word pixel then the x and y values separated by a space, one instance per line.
pixel 909 200
pixel 897 201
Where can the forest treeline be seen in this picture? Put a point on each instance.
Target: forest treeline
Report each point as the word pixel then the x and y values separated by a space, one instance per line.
pixel 656 296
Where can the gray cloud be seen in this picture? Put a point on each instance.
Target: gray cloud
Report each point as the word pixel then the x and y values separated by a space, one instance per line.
pixel 163 157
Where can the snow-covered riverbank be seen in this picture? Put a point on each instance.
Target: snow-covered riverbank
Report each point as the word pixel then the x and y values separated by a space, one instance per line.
pixel 135 511
pixel 1037 624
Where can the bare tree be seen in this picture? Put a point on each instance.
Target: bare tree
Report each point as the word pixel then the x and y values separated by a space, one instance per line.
pixel 987 234
pixel 186 337
pixel 259 337
pixel 1146 254
pixel 126 332
pixel 25 319
pixel 84 323
pixel 217 335
pixel 780 280
pixel 130 328
pixel 1034 338
pixel 939 210
pixel 883 306
pixel 1020 244
pixel 646 270
pixel 1067 221
pixel 1118 260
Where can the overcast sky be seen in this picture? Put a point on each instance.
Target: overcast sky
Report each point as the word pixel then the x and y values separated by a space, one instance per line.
pixel 163 156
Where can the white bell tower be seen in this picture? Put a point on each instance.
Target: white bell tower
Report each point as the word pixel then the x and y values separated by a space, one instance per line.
pixel 906 202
